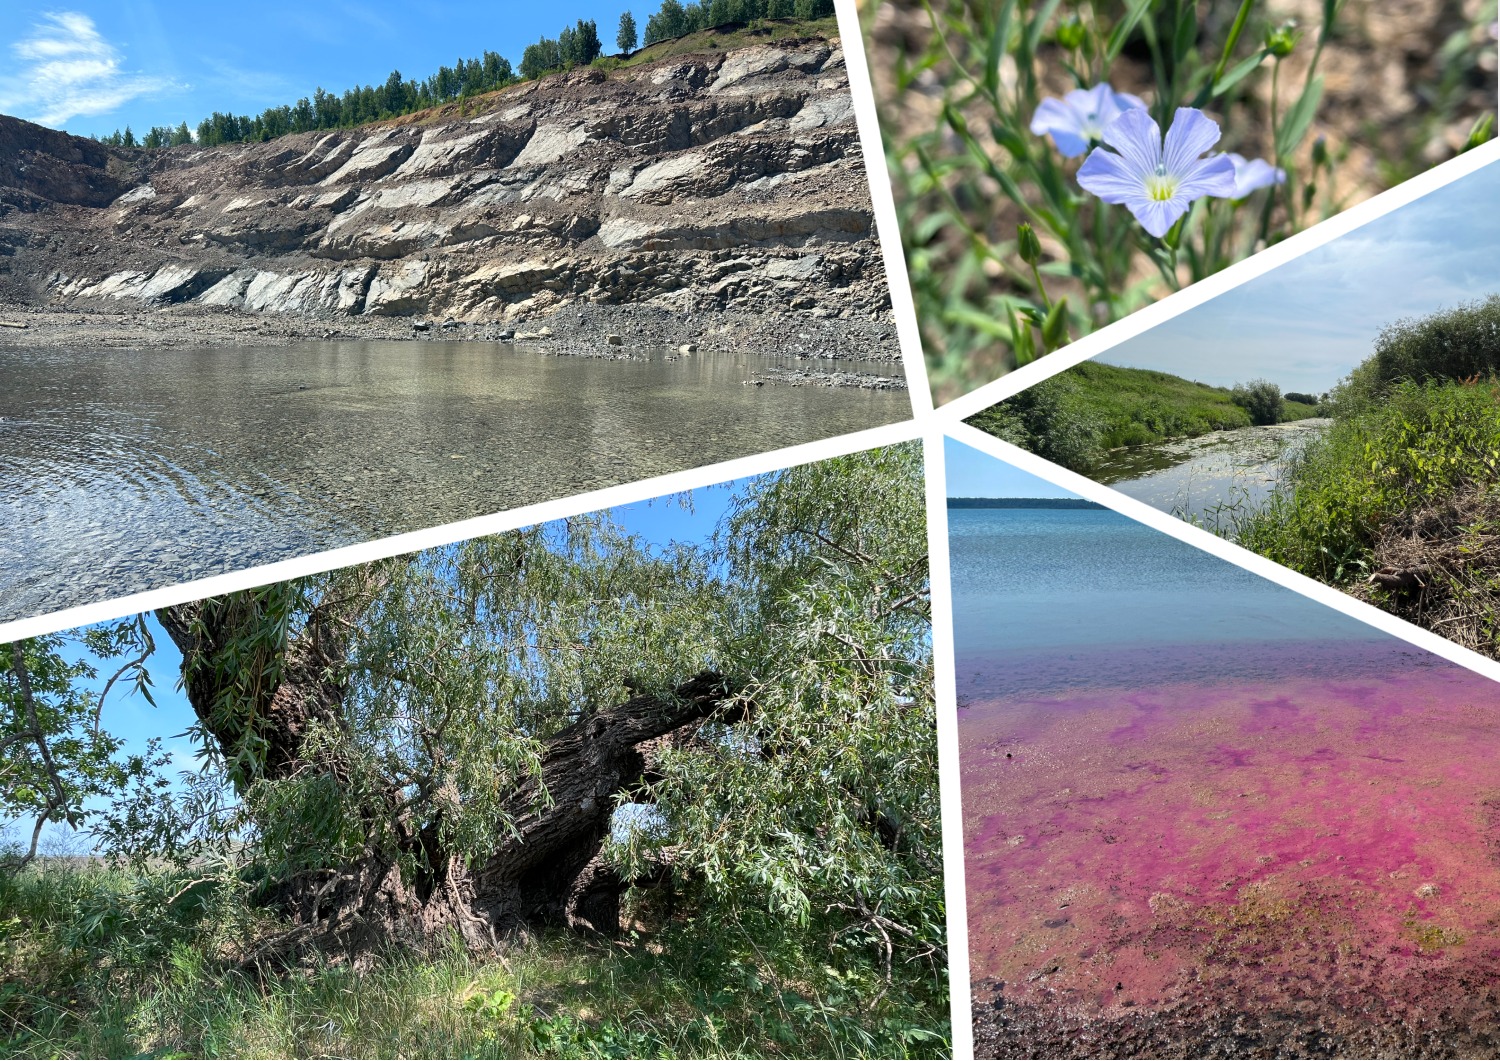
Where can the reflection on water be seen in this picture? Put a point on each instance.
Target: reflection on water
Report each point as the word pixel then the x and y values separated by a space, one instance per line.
pixel 1207 478
pixel 122 470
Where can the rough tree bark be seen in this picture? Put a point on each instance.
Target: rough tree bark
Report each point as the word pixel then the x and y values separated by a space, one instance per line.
pixel 548 871
pixel 299 683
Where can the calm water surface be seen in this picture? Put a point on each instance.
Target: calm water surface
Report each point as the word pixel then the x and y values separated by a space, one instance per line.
pixel 1051 598
pixel 1211 478
pixel 123 470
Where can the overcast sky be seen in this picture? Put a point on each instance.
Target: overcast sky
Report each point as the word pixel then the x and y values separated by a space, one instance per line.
pixel 1306 324
pixel 93 66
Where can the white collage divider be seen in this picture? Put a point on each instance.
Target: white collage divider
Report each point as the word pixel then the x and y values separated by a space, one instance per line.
pixel 448 533
pixel 1225 550
pixel 928 424
pixel 1143 320
pixel 883 201
pixel 945 695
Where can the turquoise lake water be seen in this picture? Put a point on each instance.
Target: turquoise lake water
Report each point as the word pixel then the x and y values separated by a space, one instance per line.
pixel 1049 598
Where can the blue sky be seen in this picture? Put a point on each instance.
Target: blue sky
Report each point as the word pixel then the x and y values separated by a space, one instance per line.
pixel 975 474
pixel 660 521
pixel 90 66
pixel 1307 323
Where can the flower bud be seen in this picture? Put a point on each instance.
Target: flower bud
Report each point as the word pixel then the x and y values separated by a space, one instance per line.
pixel 1282 40
pixel 1027 244
pixel 1320 151
pixel 1072 33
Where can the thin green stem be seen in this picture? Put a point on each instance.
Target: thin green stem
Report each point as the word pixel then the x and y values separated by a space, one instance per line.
pixel 1265 217
pixel 1234 37
pixel 1041 288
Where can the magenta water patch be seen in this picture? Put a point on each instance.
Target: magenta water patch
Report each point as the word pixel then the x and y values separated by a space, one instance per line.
pixel 1323 848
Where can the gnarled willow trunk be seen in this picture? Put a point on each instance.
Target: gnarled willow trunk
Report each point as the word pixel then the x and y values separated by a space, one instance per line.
pixel 549 870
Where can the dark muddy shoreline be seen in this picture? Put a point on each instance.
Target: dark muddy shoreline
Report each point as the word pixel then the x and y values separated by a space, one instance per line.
pixel 1447 1013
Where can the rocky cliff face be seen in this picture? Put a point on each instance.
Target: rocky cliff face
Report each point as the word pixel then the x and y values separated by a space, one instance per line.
pixel 715 181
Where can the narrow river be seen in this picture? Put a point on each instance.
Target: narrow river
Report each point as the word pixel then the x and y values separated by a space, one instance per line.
pixel 1212 479
pixel 125 470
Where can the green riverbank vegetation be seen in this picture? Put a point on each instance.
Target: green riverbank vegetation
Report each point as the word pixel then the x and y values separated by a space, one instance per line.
pixel 557 792
pixel 675 29
pixel 1076 417
pixel 1399 501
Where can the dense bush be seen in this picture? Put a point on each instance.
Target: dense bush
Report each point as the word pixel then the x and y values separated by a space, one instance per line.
pixel 96 962
pixel 1452 344
pixel 1261 399
pixel 1425 441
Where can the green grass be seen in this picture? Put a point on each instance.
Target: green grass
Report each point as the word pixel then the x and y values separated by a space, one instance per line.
pixel 1077 416
pixel 1420 444
pixel 761 31
pixel 1293 411
pixel 97 963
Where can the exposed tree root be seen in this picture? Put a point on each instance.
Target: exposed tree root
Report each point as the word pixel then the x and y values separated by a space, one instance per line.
pixel 1439 567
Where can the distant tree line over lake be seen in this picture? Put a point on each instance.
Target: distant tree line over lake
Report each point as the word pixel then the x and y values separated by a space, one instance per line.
pixel 1022 502
pixel 574 46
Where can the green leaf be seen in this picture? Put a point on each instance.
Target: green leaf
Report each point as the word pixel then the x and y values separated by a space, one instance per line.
pixel 1239 72
pixel 1299 118
pixel 998 44
pixel 1134 12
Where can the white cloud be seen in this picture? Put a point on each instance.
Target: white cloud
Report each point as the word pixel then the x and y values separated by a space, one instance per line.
pixel 66 69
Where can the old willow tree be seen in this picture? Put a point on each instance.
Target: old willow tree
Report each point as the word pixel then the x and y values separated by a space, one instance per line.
pixel 514 731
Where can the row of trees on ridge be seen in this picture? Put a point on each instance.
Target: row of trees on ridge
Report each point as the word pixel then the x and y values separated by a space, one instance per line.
pixel 576 45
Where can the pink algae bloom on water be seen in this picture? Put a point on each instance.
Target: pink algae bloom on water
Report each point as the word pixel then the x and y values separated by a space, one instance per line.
pixel 1320 847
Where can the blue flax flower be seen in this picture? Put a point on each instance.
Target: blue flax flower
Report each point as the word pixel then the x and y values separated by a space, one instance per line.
pixel 1078 119
pixel 1155 180
pixel 1253 174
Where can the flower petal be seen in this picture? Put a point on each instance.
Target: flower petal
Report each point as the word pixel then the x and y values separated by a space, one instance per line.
pixel 1191 134
pixel 1110 177
pixel 1125 101
pixel 1209 176
pixel 1158 215
pixel 1251 175
pixel 1052 114
pixel 1137 138
pixel 1088 100
pixel 1069 145
pixel 1056 117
